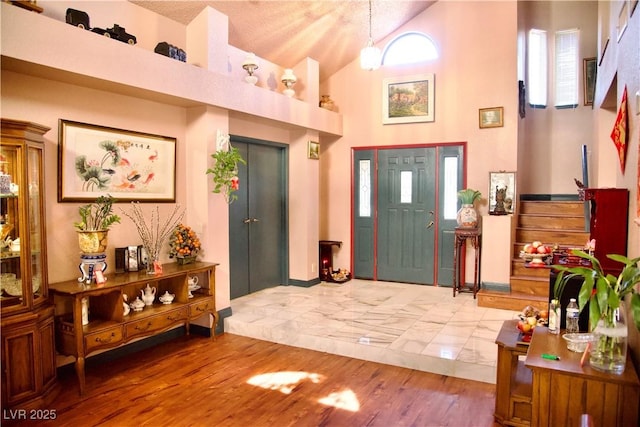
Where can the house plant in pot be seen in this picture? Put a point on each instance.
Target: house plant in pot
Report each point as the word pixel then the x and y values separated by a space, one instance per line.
pixel 605 294
pixel 467 215
pixel 224 171
pixel 95 220
pixel 184 244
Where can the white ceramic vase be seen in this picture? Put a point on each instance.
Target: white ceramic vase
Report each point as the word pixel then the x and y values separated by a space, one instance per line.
pixel 467 216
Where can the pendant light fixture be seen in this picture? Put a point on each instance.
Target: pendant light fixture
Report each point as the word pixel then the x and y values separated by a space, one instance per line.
pixel 370 56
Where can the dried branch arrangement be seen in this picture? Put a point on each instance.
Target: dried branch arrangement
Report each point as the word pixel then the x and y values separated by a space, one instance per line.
pixel 155 233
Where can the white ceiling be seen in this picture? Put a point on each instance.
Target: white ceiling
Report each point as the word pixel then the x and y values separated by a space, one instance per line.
pixel 285 32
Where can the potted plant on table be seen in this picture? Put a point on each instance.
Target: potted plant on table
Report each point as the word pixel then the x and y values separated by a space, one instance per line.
pixel 95 220
pixel 605 293
pixel 184 244
pixel 467 215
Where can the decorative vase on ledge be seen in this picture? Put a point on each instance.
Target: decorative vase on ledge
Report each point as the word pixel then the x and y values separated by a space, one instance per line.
pixel 92 241
pixel 467 216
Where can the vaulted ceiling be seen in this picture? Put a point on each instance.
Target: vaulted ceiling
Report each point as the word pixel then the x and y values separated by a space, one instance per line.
pixel 285 32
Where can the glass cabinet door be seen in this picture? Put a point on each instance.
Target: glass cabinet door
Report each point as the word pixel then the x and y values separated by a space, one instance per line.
pixel 10 219
pixel 34 187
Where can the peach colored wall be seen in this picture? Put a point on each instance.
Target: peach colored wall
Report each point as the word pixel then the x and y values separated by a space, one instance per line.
pixel 476 69
pixel 554 136
pixel 45 101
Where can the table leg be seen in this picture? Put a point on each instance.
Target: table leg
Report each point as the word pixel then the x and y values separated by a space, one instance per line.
pixel 80 373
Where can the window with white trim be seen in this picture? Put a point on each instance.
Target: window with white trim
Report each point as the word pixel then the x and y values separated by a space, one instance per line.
pixel 537 68
pixel 566 68
pixel 409 48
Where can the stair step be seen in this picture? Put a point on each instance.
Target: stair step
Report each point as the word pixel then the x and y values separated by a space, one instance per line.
pixel 548 206
pixel 563 237
pixel 510 301
pixel 566 222
pixel 528 285
pixel 518 269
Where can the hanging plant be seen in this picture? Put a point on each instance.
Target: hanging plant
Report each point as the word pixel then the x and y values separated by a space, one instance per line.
pixel 225 168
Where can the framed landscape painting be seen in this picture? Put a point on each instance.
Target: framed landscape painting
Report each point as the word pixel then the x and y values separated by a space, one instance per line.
pixel 130 166
pixel 408 99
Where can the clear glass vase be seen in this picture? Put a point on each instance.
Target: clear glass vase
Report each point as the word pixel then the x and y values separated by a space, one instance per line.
pixel 609 350
pixel 152 260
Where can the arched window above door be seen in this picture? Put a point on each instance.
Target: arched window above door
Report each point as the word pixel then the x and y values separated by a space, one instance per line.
pixel 409 48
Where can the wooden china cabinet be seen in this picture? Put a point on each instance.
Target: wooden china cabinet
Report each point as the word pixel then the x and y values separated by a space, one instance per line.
pixel 27 317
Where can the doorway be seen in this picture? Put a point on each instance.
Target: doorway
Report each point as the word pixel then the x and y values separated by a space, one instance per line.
pixel 258 218
pixel 404 216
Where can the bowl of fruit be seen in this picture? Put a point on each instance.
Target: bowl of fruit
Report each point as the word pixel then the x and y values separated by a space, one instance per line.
pixel 536 254
pixel 530 318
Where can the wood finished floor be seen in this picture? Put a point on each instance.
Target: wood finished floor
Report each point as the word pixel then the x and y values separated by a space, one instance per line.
pixel 195 381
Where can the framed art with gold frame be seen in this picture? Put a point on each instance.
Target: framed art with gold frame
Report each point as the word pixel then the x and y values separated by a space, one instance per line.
pixel 491 117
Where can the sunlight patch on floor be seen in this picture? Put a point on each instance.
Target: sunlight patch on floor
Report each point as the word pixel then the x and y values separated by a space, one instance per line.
pixel 345 399
pixel 284 382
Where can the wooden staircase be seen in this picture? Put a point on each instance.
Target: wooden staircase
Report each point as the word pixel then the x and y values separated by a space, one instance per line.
pixel 550 222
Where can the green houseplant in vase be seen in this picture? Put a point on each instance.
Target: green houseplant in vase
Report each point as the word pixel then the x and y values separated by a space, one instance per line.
pixel 467 215
pixel 605 293
pixel 95 220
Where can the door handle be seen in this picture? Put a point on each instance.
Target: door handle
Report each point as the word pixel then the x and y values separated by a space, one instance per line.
pixel 430 224
pixel 247 220
pixel 255 220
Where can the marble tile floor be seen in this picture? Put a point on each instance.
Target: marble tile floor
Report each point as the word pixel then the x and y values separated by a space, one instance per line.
pixel 412 326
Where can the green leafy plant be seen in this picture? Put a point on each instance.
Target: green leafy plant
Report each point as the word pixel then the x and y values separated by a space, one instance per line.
pixel 604 292
pixel 97 216
pixel 468 196
pixel 225 172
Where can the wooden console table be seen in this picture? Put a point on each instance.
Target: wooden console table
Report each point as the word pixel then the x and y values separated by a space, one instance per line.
pixel 563 390
pixel 463 234
pixel 108 327
pixel 533 391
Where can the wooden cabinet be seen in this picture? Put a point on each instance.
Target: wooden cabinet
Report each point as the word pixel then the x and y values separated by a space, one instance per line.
pixel 108 326
pixel 28 354
pixel 608 224
pixel 513 382
pixel 535 391
pixel 563 390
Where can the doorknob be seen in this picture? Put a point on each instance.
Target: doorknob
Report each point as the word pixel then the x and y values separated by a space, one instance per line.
pixel 247 220
pixel 255 220
pixel 430 224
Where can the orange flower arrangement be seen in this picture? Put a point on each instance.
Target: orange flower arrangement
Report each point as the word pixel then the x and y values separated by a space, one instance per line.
pixel 183 242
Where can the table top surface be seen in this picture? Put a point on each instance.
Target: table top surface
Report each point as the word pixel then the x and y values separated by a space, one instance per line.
pixel 544 342
pixel 114 280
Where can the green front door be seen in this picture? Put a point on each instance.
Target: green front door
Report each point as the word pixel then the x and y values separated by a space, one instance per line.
pixel 404 217
pixel 257 220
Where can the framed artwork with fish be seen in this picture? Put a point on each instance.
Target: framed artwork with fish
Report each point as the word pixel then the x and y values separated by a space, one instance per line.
pixel 130 166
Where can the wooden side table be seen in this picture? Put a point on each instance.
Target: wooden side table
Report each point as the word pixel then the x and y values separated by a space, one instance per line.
pixel 563 390
pixel 463 234
pixel 513 379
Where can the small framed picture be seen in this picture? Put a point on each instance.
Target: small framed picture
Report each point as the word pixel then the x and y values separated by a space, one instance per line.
pixel 491 117
pixel 502 193
pixel 589 70
pixel 313 150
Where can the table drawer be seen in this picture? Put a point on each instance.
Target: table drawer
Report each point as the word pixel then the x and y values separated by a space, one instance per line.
pixel 103 339
pixel 197 309
pixel 155 323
